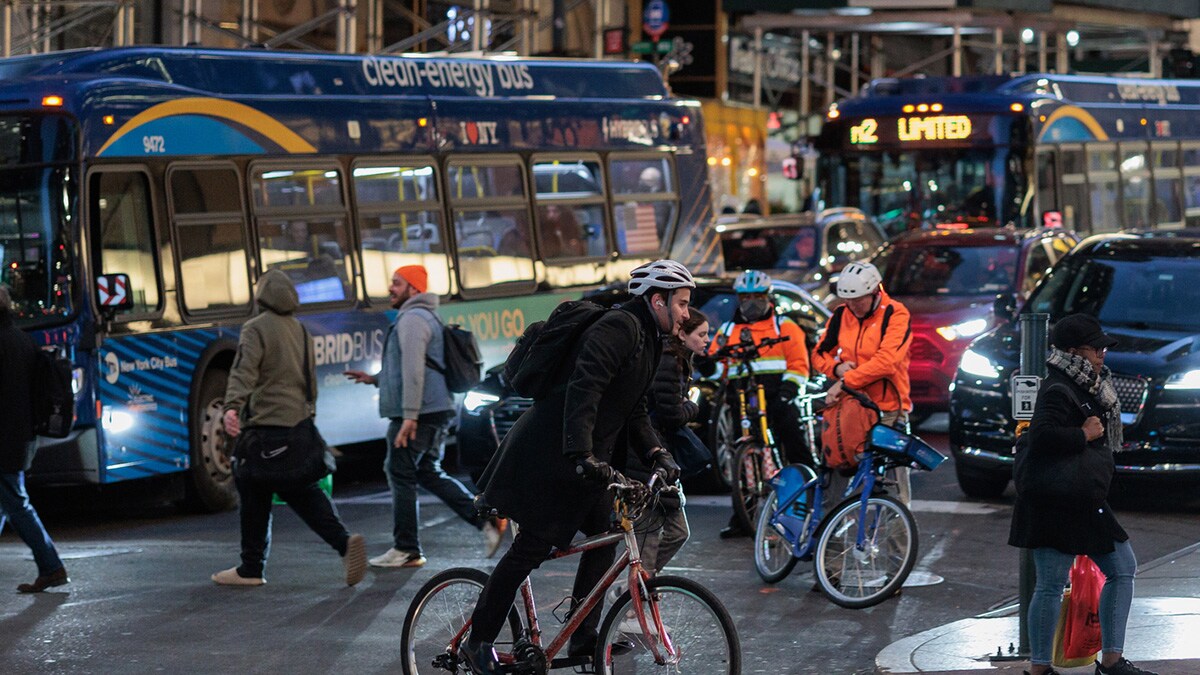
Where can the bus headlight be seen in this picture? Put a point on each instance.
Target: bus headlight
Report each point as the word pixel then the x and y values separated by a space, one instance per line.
pixel 474 400
pixel 977 364
pixel 966 329
pixel 1185 380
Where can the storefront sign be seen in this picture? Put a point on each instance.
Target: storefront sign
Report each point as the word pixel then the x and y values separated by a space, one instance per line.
pixel 780 61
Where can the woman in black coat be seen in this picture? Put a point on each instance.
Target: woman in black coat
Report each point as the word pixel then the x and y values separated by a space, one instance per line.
pixel 1077 412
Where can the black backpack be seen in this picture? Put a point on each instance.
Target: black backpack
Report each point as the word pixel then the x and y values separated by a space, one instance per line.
pixel 463 365
pixel 53 397
pixel 536 364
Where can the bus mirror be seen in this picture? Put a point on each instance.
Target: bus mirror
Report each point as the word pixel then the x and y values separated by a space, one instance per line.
pixel 113 293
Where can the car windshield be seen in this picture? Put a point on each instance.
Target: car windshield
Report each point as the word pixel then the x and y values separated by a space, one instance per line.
pixel 1141 292
pixel 770 248
pixel 38 193
pixel 949 270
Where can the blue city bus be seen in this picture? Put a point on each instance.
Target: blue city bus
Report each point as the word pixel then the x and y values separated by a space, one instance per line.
pixel 1094 154
pixel 516 182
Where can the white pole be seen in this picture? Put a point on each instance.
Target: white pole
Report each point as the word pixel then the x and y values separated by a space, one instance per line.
pixel 998 55
pixel 956 60
pixel 758 66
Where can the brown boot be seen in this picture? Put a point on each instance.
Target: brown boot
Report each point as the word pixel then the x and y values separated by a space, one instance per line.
pixel 44 581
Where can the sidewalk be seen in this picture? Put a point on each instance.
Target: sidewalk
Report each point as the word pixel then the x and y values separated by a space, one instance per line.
pixel 1161 636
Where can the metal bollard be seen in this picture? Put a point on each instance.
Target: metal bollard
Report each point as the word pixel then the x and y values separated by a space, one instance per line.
pixel 1034 344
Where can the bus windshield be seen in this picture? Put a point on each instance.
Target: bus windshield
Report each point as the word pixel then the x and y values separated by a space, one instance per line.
pixel 37 203
pixel 908 189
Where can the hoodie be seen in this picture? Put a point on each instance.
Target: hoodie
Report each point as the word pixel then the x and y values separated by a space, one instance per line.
pixel 267 383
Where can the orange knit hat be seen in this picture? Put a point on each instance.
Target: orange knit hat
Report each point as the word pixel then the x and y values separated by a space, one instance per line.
pixel 416 276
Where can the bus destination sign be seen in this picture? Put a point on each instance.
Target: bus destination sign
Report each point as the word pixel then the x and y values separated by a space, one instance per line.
pixel 915 129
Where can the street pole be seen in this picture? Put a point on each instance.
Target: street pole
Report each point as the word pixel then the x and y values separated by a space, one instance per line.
pixel 1034 343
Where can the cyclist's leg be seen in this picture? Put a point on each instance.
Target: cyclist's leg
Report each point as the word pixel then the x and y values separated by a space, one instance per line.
pixel 675 533
pixel 526 554
pixel 784 417
pixel 650 537
pixel 899 420
pixel 592 566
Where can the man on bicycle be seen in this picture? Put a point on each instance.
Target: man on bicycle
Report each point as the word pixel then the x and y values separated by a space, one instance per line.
pixel 551 472
pixel 782 368
pixel 865 347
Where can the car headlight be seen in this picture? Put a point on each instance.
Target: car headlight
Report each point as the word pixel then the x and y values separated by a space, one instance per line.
pixel 977 364
pixel 1186 380
pixel 474 400
pixel 966 329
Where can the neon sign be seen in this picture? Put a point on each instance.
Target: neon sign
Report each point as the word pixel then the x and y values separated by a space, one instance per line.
pixel 937 128
pixel 864 134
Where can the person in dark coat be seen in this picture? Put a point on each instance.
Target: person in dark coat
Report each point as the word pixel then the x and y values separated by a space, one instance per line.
pixel 18 354
pixel 1090 420
pixel 551 471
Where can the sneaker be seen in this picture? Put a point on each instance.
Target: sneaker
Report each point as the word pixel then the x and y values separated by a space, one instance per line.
pixel 1122 667
pixel 630 626
pixel 44 581
pixel 493 534
pixel 481 658
pixel 394 558
pixel 355 559
pixel 230 577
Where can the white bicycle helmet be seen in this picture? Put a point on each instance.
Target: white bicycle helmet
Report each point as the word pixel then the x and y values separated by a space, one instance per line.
pixel 858 280
pixel 662 274
pixel 752 281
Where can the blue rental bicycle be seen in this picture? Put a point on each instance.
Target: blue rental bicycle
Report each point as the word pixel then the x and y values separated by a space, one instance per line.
pixel 865 548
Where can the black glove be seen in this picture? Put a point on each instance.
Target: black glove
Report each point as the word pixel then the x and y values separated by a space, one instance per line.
pixel 665 466
pixel 594 470
pixel 788 390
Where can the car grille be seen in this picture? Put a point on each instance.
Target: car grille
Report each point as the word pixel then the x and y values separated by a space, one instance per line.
pixel 1131 391
pixel 508 411
pixel 924 350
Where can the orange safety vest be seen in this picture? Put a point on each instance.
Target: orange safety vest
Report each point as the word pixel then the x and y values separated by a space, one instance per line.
pixel 787 361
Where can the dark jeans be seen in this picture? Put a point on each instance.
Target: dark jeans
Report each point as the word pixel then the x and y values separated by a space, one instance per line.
pixel 421 463
pixel 526 554
pixel 309 502
pixel 14 503
pixel 784 417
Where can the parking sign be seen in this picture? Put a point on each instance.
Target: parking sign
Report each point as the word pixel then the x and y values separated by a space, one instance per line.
pixel 1024 395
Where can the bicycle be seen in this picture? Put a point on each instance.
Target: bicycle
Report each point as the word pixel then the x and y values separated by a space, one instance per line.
pixel 865 549
pixel 684 628
pixel 755 458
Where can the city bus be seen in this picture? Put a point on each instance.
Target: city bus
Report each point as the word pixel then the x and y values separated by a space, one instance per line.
pixel 146 189
pixel 1094 154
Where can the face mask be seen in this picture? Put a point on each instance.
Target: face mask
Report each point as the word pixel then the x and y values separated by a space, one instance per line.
pixel 754 309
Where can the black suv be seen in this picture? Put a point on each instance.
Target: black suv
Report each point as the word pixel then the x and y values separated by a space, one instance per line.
pixel 489 410
pixel 1145 290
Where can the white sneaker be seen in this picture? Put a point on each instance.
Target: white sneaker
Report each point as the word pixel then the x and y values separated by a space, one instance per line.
pixel 395 558
pixel 630 626
pixel 493 534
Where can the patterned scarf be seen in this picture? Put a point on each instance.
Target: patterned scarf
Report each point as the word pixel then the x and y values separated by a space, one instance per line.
pixel 1080 370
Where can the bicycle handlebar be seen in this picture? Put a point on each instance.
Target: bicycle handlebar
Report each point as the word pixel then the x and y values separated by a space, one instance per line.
pixel 747 350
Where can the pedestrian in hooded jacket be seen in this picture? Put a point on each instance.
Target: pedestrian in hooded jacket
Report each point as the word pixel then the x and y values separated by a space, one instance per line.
pixel 268 387
pixel 17 446
pixel 415 398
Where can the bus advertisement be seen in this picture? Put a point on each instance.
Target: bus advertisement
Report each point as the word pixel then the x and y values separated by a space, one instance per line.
pixel 176 177
pixel 1092 154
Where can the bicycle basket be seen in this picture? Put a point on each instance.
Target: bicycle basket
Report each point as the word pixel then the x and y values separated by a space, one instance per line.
pixel 787 483
pixel 909 449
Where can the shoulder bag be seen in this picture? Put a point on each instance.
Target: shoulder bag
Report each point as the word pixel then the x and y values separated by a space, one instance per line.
pixel 285 458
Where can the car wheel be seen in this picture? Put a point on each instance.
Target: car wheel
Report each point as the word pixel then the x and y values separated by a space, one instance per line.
pixel 981 483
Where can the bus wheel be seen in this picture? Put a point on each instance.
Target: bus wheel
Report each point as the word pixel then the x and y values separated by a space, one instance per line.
pixel 210 487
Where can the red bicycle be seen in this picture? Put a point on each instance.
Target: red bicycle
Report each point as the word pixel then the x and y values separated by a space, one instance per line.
pixel 661 624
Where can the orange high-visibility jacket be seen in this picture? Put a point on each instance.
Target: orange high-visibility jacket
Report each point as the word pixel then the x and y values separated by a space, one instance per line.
pixel 782 362
pixel 882 358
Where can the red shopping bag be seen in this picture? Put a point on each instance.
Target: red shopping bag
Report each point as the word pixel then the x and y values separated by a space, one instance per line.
pixel 1081 633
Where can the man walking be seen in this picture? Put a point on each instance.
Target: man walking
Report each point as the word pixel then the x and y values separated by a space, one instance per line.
pixel 418 403
pixel 18 443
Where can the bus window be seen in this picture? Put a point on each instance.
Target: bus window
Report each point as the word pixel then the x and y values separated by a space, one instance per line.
pixel 300 188
pixel 400 222
pixel 1168 186
pixel 491 222
pixel 1135 185
pixel 1073 199
pixel 1104 185
pixel 644 203
pixel 1047 186
pixel 1191 183
pixel 570 212
pixel 206 206
pixel 122 214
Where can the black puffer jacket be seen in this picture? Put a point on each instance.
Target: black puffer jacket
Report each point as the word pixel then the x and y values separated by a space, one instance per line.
pixel 669 405
pixel 17 355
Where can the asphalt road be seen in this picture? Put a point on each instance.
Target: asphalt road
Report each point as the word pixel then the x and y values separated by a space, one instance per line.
pixel 141 601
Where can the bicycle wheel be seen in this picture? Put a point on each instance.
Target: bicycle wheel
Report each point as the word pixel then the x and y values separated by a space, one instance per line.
pixel 438 613
pixel 857 578
pixel 702 635
pixel 772 551
pixel 723 434
pixel 754 466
